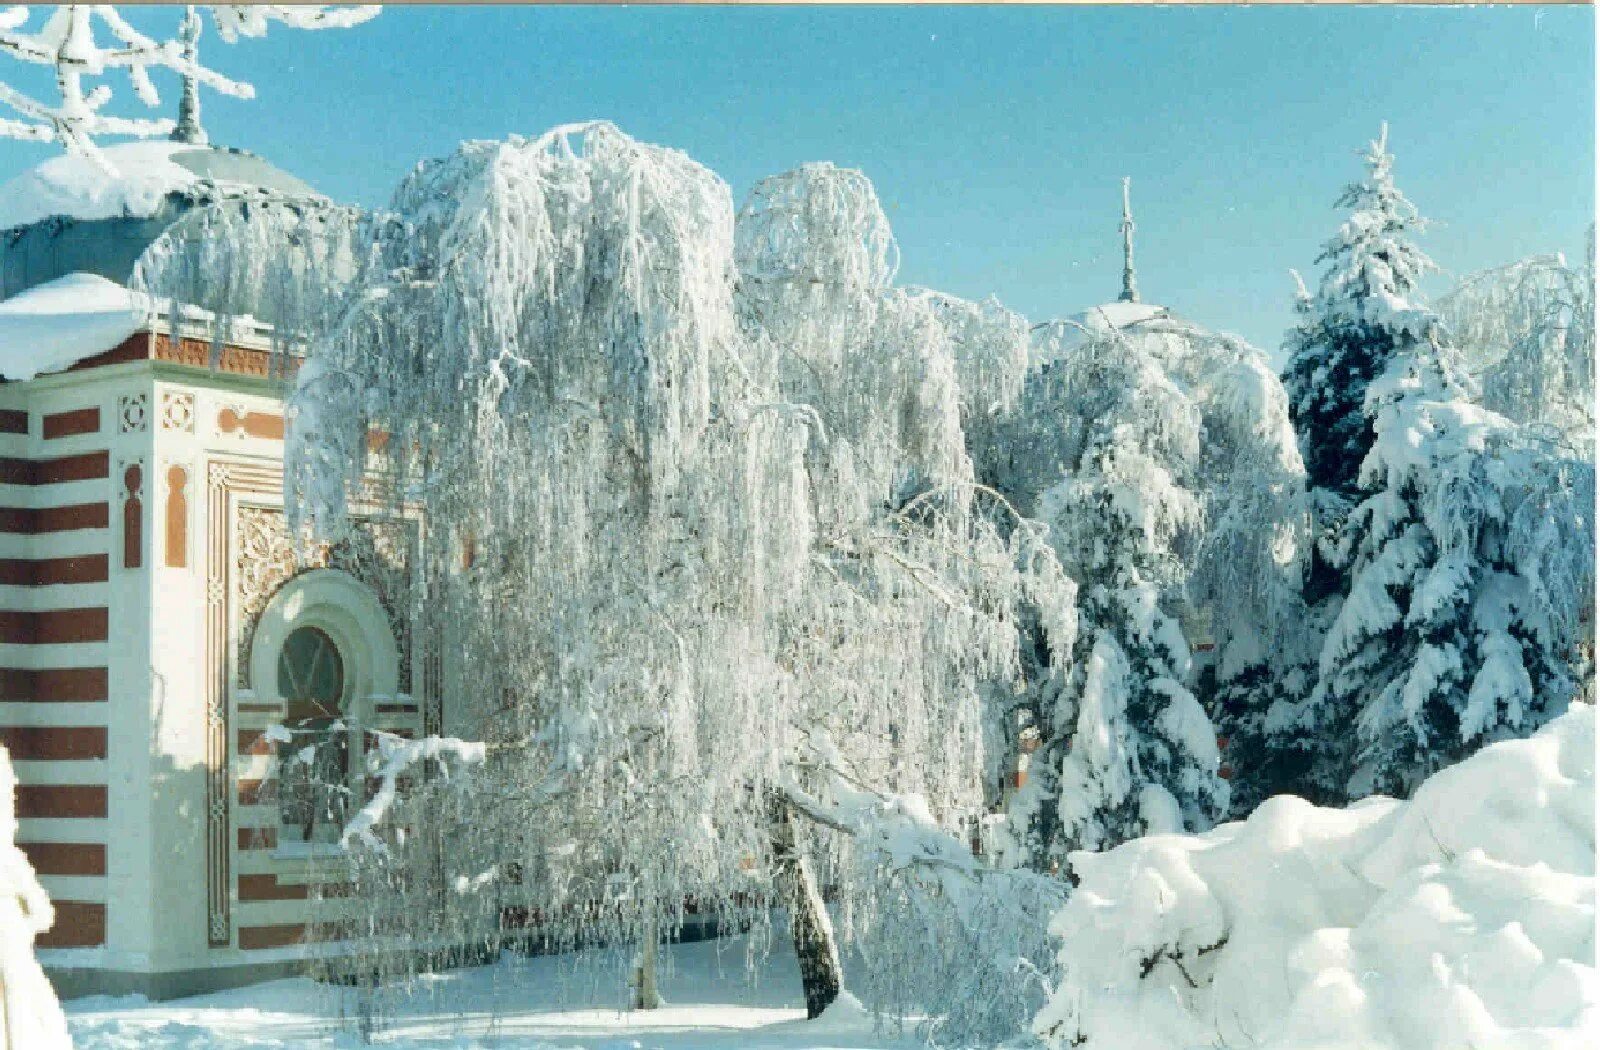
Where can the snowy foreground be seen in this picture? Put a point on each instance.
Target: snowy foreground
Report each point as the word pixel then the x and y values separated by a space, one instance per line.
pixel 1464 917
pixel 516 1003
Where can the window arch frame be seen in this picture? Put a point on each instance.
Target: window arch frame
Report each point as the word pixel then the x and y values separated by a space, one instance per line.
pixel 350 615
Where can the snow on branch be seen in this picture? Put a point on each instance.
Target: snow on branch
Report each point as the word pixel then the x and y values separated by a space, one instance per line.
pixel 82 42
pixel 943 935
pixel 236 20
pixel 898 830
pixel 393 756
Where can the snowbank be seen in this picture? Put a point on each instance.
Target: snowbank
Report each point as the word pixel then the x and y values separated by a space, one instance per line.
pixel 29 1014
pixel 58 324
pixel 1464 917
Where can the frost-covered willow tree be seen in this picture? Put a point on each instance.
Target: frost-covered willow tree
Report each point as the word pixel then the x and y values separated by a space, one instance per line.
pixel 1527 333
pixel 279 261
pixel 81 43
pixel 716 585
pixel 1245 580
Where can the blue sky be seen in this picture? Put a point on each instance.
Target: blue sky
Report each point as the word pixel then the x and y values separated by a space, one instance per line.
pixel 996 137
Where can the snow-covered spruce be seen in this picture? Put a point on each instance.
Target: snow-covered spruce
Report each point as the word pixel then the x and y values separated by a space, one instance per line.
pixel 30 1016
pixel 72 41
pixel 1464 917
pixel 1471 559
pixel 1161 457
pixel 1363 314
pixel 1454 551
pixel 700 499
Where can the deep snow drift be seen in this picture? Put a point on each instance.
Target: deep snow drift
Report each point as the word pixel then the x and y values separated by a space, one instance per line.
pixel 1462 918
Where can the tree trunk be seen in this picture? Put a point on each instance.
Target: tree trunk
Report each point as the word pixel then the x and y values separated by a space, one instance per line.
pixel 645 995
pixel 812 930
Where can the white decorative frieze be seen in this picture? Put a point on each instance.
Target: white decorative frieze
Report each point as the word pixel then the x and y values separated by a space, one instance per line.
pixel 134 412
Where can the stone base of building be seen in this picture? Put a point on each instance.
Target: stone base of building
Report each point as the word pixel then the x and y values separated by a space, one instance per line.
pixel 76 982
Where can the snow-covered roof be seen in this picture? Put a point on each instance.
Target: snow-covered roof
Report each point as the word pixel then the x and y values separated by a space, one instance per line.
pixel 54 326
pixel 146 172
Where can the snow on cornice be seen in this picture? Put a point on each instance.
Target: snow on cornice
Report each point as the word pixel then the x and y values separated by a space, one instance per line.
pixel 54 326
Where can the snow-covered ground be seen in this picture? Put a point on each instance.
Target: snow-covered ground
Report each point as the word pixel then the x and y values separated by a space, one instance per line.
pixel 1464 917
pixel 519 1002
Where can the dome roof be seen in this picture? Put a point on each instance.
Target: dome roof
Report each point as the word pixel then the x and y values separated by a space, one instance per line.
pixel 67 215
pixel 1055 339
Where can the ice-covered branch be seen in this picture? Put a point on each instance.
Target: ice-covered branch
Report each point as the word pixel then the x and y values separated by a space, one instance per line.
pixel 393 757
pixel 82 42
pixel 943 934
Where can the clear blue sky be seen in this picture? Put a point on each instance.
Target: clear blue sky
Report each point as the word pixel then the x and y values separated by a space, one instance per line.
pixel 996 137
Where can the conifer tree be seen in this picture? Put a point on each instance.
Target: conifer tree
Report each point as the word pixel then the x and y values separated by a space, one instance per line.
pixel 1469 555
pixel 1452 542
pixel 1346 335
pixel 1109 445
pixel 1360 317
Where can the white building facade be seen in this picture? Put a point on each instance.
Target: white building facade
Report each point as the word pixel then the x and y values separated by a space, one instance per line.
pixel 156 619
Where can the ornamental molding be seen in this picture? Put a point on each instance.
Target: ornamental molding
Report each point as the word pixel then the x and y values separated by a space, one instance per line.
pixel 133 410
pixel 177 411
pixel 249 556
pixel 377 551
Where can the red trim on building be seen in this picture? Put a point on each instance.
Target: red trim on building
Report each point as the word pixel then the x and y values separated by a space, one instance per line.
pixel 69 424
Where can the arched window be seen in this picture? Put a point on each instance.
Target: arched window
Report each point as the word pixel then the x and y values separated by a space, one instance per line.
pixel 310 676
pixel 324 649
pixel 314 798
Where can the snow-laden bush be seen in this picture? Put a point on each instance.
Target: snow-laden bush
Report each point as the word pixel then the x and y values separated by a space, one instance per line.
pixel 1464 917
pixel 30 1017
